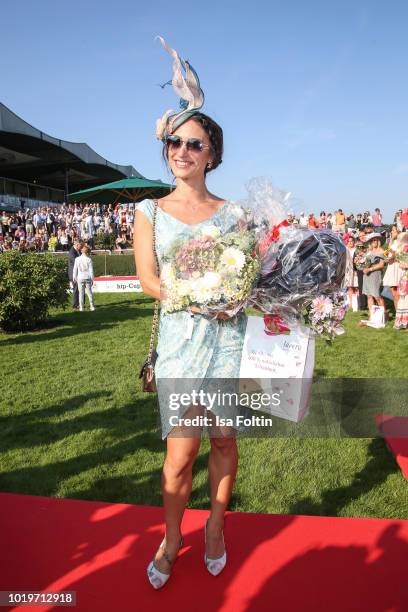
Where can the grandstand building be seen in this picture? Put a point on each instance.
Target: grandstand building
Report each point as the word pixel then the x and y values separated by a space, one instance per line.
pixel 38 169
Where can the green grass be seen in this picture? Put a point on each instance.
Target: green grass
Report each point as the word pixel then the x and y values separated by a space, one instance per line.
pixel 74 422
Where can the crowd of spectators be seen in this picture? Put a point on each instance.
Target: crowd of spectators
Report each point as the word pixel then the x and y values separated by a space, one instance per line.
pixel 57 228
pixel 341 222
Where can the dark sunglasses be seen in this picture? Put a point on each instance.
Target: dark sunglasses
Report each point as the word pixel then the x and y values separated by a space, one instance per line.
pixel 192 144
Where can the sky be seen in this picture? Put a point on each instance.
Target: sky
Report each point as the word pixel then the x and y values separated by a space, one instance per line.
pixel 311 94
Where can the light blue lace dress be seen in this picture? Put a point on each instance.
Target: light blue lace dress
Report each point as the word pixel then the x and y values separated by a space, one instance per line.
pixel 214 350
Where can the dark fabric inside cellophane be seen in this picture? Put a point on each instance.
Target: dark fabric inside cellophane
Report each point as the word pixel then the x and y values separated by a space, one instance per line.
pixel 301 265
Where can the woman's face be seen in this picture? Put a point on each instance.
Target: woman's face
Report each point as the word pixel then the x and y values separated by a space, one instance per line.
pixel 186 164
pixel 375 243
pixel 350 243
pixel 394 231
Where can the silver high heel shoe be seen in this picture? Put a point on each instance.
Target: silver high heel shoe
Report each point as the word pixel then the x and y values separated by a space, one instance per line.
pixel 215 566
pixel 157 578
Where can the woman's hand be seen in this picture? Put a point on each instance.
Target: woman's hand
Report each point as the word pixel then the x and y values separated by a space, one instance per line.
pixel 366 270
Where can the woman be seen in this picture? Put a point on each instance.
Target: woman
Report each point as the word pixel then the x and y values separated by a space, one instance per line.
pixel 373 271
pixel 377 218
pixel 322 220
pixel 191 206
pixel 393 272
pixel 63 239
pixel 350 278
pixel 190 345
pixel 401 313
pixel 359 255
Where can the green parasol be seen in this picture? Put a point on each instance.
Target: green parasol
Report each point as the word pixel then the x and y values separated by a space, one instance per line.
pixel 133 189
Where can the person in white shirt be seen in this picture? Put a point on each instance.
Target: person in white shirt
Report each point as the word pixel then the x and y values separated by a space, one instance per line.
pixel 84 275
pixel 89 221
pixel 303 219
pixel 97 222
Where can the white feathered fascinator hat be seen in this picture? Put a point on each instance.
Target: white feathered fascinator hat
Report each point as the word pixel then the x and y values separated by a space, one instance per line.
pixel 187 88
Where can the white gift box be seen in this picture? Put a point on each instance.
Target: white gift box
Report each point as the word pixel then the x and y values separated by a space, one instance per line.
pixel 281 364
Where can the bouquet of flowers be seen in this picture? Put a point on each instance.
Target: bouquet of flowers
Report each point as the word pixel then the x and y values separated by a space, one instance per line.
pixel 389 254
pixel 401 254
pixel 325 313
pixel 300 281
pixel 212 271
pixel 360 257
pixel 299 266
pixel 287 273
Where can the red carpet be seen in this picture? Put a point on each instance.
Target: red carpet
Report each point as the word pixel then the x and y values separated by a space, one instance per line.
pixel 395 431
pixel 276 563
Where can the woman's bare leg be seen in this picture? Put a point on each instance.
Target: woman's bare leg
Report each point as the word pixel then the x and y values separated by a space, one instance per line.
pixel 222 467
pixel 183 445
pixel 395 296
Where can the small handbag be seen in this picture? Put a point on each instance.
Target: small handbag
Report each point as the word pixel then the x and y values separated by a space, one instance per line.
pixel 147 369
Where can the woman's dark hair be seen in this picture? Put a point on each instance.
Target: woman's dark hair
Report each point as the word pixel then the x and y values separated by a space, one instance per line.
pixel 215 136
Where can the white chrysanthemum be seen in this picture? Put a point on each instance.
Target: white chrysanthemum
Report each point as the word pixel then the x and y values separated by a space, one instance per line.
pixel 200 291
pixel 232 259
pixel 211 230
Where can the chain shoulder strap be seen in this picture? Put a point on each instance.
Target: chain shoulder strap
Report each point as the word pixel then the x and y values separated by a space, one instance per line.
pixel 155 319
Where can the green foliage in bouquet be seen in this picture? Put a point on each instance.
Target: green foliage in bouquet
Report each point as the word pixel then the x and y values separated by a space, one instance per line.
pixel 29 285
pixel 105 241
pixel 244 240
